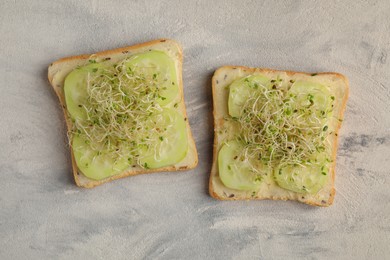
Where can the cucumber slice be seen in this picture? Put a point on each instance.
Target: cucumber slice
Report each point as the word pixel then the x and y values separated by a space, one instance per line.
pixel 158 64
pixel 76 92
pixel 308 179
pixel 233 172
pixel 171 146
pixel 241 89
pixel 314 95
pixel 93 164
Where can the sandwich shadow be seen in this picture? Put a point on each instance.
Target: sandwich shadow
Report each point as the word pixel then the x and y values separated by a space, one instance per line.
pixel 62 129
pixel 205 143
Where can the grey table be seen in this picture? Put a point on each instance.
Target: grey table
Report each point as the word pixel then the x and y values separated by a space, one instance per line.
pixel 43 215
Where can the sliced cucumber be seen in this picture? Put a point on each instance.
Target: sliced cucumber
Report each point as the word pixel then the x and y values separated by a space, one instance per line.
pixel 308 179
pixel 76 97
pixel 233 172
pixel 95 165
pixel 171 146
pixel 310 94
pixel 243 88
pixel 158 64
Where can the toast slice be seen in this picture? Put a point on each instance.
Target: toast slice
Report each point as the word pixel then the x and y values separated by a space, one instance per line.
pixel 60 69
pixel 225 130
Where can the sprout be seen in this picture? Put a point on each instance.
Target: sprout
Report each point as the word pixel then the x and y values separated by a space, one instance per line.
pixel 120 108
pixel 277 130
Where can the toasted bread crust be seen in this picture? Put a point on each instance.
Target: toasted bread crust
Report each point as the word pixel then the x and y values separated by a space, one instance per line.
pixel 103 54
pixel 251 70
pixel 124 50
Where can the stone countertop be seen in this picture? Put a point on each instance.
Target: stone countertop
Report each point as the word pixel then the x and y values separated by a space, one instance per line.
pixel 43 215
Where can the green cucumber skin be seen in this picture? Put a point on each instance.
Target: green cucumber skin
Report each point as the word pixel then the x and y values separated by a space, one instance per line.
pixel 75 91
pixel 311 178
pixel 165 65
pixel 240 89
pixel 233 173
pixel 174 147
pixel 93 166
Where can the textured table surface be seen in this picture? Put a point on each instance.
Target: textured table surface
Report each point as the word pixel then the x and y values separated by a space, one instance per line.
pixel 43 215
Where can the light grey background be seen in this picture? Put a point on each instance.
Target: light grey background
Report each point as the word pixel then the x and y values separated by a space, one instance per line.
pixel 43 215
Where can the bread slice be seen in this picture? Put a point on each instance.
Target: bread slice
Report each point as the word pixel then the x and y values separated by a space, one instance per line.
pixel 59 69
pixel 223 77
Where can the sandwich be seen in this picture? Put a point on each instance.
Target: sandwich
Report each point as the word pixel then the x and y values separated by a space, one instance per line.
pixel 276 134
pixel 125 112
